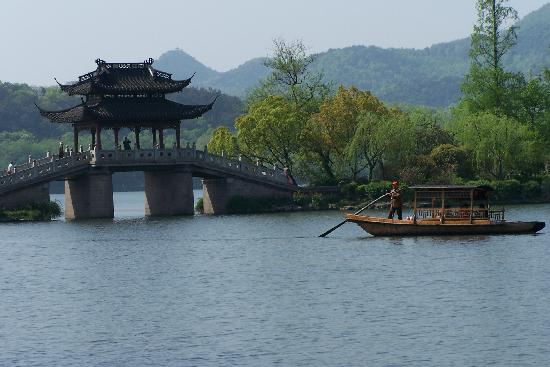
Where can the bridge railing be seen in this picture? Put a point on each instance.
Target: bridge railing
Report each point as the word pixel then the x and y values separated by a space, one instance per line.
pixel 187 155
pixel 122 157
pixel 48 166
pixel 243 166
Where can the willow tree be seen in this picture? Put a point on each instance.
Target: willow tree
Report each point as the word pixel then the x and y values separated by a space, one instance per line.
pixel 270 131
pixel 501 146
pixel 488 87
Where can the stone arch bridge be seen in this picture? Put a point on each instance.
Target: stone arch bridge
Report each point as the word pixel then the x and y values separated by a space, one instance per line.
pixel 168 181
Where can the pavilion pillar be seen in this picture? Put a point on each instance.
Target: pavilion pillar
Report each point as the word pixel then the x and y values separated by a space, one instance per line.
pixel 75 138
pixel 98 136
pixel 93 138
pixel 136 132
pixel 154 132
pixel 178 135
pixel 115 131
pixel 90 195
pixel 161 139
pixel 169 192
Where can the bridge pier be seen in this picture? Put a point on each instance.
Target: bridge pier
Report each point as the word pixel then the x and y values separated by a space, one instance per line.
pixel 39 193
pixel 217 193
pixel 90 195
pixel 169 193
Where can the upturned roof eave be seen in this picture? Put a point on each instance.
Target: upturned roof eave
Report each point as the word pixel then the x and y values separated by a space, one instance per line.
pixel 112 112
pixel 94 85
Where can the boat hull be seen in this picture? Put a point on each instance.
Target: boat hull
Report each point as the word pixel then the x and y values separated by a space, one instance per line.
pixel 390 227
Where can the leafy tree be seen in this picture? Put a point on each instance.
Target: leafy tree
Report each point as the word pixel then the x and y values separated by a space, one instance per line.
pixel 452 161
pixel 335 126
pixel 379 138
pixel 291 77
pixel 270 131
pixel 501 146
pixel 429 129
pixel 488 87
pixel 296 93
pixel 316 157
pixel 223 142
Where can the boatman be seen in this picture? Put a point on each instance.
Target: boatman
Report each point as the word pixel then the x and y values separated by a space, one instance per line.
pixel 396 201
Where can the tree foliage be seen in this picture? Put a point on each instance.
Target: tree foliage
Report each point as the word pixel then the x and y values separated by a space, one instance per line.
pixel 291 77
pixel 337 123
pixel 487 84
pixel 380 138
pixel 501 146
pixel 270 131
pixel 223 142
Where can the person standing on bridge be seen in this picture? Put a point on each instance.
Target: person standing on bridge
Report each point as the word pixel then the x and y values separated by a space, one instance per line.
pixel 127 143
pixel 61 150
pixel 11 168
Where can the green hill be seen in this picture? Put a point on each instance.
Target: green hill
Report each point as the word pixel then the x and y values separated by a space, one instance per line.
pixel 430 76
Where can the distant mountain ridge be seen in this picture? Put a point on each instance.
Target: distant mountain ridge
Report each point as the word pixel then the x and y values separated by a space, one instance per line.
pixel 430 76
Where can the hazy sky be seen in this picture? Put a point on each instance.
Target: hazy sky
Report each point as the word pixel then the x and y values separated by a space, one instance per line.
pixel 62 38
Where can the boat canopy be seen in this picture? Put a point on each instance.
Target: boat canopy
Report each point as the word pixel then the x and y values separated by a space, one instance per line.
pixel 451 188
pixel 453 202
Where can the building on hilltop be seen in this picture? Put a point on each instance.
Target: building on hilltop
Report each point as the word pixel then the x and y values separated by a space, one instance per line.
pixel 125 95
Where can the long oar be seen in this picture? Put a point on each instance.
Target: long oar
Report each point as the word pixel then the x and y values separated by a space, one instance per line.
pixel 357 212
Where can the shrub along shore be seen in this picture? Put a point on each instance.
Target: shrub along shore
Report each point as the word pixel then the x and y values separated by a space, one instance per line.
pixel 32 212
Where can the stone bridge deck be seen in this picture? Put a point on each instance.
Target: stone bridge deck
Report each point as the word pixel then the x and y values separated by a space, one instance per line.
pixel 166 171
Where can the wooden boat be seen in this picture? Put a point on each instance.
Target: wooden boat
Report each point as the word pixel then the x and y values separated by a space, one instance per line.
pixel 447 210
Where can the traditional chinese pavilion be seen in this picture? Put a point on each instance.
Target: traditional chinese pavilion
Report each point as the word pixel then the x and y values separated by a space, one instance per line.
pixel 125 95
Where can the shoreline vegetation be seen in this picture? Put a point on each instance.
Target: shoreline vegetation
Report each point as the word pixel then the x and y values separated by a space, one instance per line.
pixel 32 212
pixel 351 196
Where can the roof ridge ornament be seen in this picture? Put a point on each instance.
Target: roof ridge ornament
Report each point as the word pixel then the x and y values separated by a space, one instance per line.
pixel 149 61
pixel 99 62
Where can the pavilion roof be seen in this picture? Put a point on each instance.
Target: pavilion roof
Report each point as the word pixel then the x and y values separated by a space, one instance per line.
pixel 127 111
pixel 125 78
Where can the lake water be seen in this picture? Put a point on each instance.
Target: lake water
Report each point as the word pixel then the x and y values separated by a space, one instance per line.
pixel 262 290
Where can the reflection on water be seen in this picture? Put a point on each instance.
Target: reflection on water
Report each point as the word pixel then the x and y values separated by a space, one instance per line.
pixel 259 290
